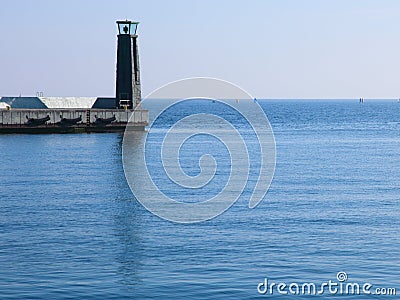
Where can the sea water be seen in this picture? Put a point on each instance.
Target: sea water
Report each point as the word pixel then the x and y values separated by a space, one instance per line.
pixel 71 228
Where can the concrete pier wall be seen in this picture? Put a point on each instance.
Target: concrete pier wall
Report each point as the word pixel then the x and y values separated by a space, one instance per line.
pixel 19 116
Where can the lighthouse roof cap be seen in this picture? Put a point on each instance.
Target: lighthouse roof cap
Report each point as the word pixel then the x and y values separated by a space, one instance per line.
pixel 127 22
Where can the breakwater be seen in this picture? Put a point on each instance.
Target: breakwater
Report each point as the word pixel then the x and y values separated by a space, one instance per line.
pixel 71 120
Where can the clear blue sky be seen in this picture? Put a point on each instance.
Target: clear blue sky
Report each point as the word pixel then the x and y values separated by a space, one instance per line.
pixel 273 49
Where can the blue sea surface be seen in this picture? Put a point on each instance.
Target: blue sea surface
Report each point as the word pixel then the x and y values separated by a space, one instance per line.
pixel 70 228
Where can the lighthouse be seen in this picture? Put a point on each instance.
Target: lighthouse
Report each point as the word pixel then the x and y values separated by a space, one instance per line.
pixel 128 90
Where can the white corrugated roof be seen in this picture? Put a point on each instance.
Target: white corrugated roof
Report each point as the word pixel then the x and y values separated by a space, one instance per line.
pixel 4 105
pixel 68 102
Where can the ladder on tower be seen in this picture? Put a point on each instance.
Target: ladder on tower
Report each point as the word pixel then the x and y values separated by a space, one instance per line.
pixel 87 118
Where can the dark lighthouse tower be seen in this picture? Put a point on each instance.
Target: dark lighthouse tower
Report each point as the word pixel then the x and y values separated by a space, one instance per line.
pixel 128 91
